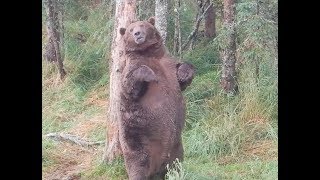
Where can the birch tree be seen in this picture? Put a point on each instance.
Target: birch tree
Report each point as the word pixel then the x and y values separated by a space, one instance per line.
pixel 161 11
pixel 177 30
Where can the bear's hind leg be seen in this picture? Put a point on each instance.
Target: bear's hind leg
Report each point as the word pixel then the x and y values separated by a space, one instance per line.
pixel 137 165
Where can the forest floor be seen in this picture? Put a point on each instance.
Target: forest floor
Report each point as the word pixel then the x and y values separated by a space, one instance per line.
pixel 73 162
pixel 70 160
pixel 67 161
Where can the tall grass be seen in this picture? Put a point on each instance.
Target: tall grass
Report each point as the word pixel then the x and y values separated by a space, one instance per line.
pixel 65 103
pixel 85 62
pixel 242 129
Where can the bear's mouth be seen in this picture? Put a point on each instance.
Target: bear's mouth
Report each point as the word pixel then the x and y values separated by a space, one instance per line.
pixel 140 40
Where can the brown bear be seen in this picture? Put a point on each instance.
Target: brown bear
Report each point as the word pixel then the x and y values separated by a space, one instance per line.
pixel 152 105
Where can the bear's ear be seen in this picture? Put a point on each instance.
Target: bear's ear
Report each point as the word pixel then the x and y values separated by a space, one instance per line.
pixel 122 31
pixel 151 20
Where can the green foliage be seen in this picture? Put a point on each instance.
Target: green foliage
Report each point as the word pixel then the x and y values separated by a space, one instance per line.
pixel 75 10
pixel 145 9
pixel 89 59
pixel 112 171
pixel 47 146
pixel 187 11
pixel 204 58
pixel 206 169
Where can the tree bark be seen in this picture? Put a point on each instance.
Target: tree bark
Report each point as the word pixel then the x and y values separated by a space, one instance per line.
pixel 228 77
pixel 177 31
pixel 161 11
pixel 256 60
pixel 210 21
pixel 53 34
pixel 61 12
pixel 125 13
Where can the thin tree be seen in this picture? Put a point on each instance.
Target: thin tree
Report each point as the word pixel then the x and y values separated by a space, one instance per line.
pixel 191 38
pixel 54 40
pixel 197 22
pixel 125 13
pixel 210 21
pixel 228 77
pixel 177 29
pixel 256 60
pixel 61 14
pixel 161 11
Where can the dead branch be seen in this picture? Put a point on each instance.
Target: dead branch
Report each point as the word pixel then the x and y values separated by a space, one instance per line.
pixel 193 33
pixel 73 139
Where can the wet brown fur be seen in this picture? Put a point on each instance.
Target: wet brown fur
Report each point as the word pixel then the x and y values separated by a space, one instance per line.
pixel 152 105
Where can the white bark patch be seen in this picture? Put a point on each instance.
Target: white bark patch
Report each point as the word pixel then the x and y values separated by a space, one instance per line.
pixel 161 11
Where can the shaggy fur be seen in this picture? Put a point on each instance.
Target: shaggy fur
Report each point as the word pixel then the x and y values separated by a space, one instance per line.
pixel 152 105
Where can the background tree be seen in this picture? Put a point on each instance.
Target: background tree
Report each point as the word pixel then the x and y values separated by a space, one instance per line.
pixel 161 11
pixel 125 13
pixel 201 5
pixel 228 76
pixel 177 28
pixel 201 12
pixel 53 47
pixel 210 21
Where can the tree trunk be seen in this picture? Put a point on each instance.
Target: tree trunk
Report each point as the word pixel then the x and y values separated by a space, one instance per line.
pixel 61 12
pixel 210 21
pixel 228 77
pixel 256 60
pixel 161 11
pixel 124 15
pixel 197 23
pixel 177 31
pixel 179 37
pixel 53 34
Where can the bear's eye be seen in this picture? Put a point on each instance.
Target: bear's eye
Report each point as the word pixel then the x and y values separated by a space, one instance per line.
pixel 131 30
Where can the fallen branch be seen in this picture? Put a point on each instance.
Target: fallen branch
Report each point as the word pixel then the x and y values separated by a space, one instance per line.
pixel 193 33
pixel 73 139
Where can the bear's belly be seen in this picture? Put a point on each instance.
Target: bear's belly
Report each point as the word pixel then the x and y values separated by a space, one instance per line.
pixel 158 97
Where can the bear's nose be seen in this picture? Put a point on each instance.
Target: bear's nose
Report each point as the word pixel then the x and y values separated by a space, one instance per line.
pixel 137 33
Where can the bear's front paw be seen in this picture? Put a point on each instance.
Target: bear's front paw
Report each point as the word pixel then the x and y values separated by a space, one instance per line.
pixel 144 73
pixel 185 72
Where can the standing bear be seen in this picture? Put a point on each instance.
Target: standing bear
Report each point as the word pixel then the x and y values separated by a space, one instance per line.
pixel 152 105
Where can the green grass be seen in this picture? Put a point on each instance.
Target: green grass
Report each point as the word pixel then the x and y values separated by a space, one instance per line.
pixel 112 171
pixel 224 137
pixel 204 168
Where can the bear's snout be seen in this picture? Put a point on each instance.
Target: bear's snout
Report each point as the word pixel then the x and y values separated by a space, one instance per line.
pixel 139 37
pixel 137 33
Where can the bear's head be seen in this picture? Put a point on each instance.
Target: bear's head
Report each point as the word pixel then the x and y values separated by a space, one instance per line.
pixel 140 35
